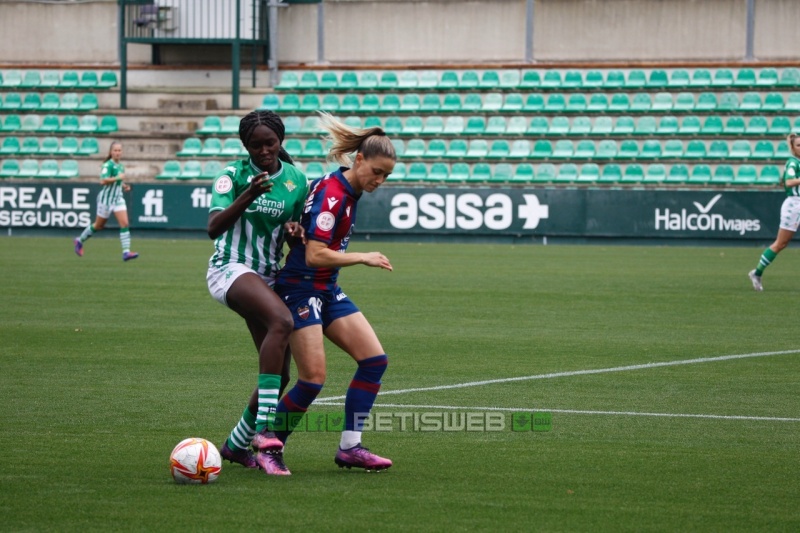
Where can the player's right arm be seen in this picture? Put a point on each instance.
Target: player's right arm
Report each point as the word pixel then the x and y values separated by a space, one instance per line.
pixel 220 221
pixel 107 176
pixel 790 178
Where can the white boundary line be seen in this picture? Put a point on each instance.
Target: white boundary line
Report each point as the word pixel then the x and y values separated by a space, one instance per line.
pixel 578 412
pixel 576 373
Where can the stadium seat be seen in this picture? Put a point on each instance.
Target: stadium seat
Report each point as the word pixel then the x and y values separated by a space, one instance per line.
pixel 428 80
pixel 746 175
pixel 481 173
pixel 695 150
pixel 50 102
pixel 763 150
pixel 509 80
pixel 530 80
pixel 656 173
pixel 314 149
pixel 706 102
pixel 191 170
pixel 615 79
pixel 767 77
pixel 520 149
pixel 523 173
pixel 451 103
pixel 581 126
pixel 478 149
pixel 288 81
pixel 109 124
pixel 722 78
pixel 589 173
pixel 645 126
pixel 353 121
pixel 673 149
pixel 573 79
pixel 593 80
pixel 212 170
pixel 668 125
pixel 50 80
pixel 542 149
pixel 690 125
pixel 309 103
pixel 417 172
pixel 773 102
pixel 534 103
pixel 499 149
pixel 602 126
pixel 598 103
pixel 633 174
pixel 390 103
pixel 69 80
pixel 373 122
pixel 30 123
pixel 758 125
pixel 232 148
pixel 620 103
pixel 559 126
pixel 13 101
pixel 769 176
pixel 513 103
pixel 191 147
pixel 551 80
pixel 683 103
pixel 606 149
pixel 502 173
pixel 414 149
pixel 9 168
pixel 412 126
pixel 10 146
pixel 69 146
pixel 624 126
pixel 368 81
pixel 212 147
pixel 454 126
pixel 48 168
pixel 790 77
pixel 393 126
pixel 662 102
pixel 739 149
pixel 294 147
pixel 29 146
pixel 475 126
pixel 650 150
pixel 556 103
pixel 69 169
pixel 469 80
pixel 29 168
pixel 430 103
pixel 517 125
pixel 31 80
pixel 728 102
pixel 628 150
pixel 545 173
pixel 11 78
pixel 308 81
pixel 211 126
pixel 107 80
pixel 448 80
pixel 717 150
pixel 89 80
pixel 750 102
pixel 745 77
pixel 640 103
pixel 50 124
pixel 677 174
pixel 496 125
pixel 436 149
pixel 538 126
pixel 793 102
pixel 576 103
pixel 567 173
pixel 459 173
pixel 31 102
pixel 611 173
pixel 701 174
pixel 472 102
pixel 329 103
pixel 584 150
pixel 439 172
pixel 735 125
pixel 89 146
pixel 723 175
pixel 636 79
pixel 489 80
pixel 679 79
pixel 434 125
pixel 563 149
pixel 712 126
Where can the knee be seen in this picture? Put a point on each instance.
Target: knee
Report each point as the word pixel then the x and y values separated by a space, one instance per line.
pixel 313 375
pixel 282 324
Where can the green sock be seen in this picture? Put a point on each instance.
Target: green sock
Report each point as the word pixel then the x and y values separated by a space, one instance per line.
pixel 244 431
pixel 125 239
pixel 268 386
pixel 766 258
pixel 88 232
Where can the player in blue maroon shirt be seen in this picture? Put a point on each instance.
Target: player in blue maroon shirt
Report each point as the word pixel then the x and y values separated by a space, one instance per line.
pixel 307 285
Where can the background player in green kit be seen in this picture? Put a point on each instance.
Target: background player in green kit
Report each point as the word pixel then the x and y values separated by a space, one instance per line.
pixel 110 200
pixel 790 212
pixel 255 203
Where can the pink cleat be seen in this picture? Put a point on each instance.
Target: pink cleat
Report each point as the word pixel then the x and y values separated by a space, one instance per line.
pixel 78 247
pixel 243 457
pixel 360 457
pixel 266 441
pixel 127 256
pixel 272 463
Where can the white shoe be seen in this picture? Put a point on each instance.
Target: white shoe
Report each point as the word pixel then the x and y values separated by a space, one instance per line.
pixel 756 280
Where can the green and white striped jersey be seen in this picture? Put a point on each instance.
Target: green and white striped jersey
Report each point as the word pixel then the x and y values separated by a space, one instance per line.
pixel 257 238
pixel 791 172
pixel 111 194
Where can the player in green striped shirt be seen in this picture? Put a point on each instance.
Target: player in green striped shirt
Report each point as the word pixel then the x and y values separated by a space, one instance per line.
pixel 110 199
pixel 255 204
pixel 790 212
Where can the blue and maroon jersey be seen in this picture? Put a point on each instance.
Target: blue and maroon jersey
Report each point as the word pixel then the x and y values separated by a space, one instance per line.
pixel 329 216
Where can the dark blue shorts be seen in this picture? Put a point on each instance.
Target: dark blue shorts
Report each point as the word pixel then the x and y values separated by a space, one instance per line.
pixel 315 307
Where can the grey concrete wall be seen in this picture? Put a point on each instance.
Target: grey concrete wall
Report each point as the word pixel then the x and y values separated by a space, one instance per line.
pixel 776 26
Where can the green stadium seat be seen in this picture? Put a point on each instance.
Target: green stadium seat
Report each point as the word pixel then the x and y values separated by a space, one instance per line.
pixel 658 79
pixel 679 79
pixel 606 150
pixel 10 146
pixel 449 80
pixel 367 81
pixel 780 126
pixel 645 126
pixel 69 169
pixel 624 126
pixel 410 103
pixel 50 80
pixel 650 150
pixel 723 175
pixel 612 173
pixel 695 150
pixel 559 126
pixel 701 174
pixel 490 79
pixel 88 102
pixel 314 149
pixel 677 174
pixel 712 125
pixel 640 103
pixel 451 103
pixel 89 146
pixel 290 103
pixel 9 168
pixel 542 149
pixel 593 80
pixel 472 102
pixel 655 173
pixel 328 81
pixel 348 81
pixel 502 173
pixel 329 103
pixel 673 149
pixel 767 77
pixel 517 125
pixel 481 173
pixel 469 80
pixel 372 122
pixel 232 148
pixel 563 149
pixel 12 78
pixel 69 102
pixel 108 79
pixel 349 104
pixel 439 172
pixel 478 149
pixel 457 149
pixel 790 77
pixel 573 79
pixel 520 149
pixel 717 150
pixel 89 80
pixel 496 125
pixel 48 168
pixel 191 147
pixel 668 125
pixel 459 173
pixel 633 174
pixel 31 80
pixel 211 126
pixel 308 81
pixel 538 126
pixel 430 103
pixel 684 103
pixel 499 149
pixel 545 173
pixel 428 80
pixel 315 169
pixel 602 126
pixel 739 149
pixel 523 173
pixel 212 169
pixel 310 125
pixel 393 126
pixel 513 103
pixel 415 148
pixel 628 150
pixel 728 101
pixel 589 173
pixel 530 80
pixel 662 102
pixel 773 102
pixel 29 168
pixel 706 102
pixel 212 147
pixel 735 125
pixel 690 125
pixel 576 103
pixel 69 146
pixel 763 150
pixel 31 123
pixel 551 80
pixel 722 78
pixel 636 79
pixel 476 125
pixel 31 102
pixel 273 102
pixel 13 101
pixel 413 126
pixel 581 126
pixel 51 123
pixel 434 125
pixel 757 125
pixel 436 149
pixel 615 79
pixel 454 126
pixel 793 102
pixel 50 102
pixel 509 80
pixel 69 80
pixel 417 172
pixel 584 150
pixel 746 175
pixel 309 103
pixel 230 125
pixel 745 77
pixel 399 147
pixel 192 170
pixel 534 103
pixel 29 146
pixel 598 103
pixel 288 81
pixel 769 176
pixel 567 173
pixel 556 103
pixel 620 103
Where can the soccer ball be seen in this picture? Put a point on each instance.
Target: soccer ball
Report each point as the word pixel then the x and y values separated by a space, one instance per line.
pixel 195 461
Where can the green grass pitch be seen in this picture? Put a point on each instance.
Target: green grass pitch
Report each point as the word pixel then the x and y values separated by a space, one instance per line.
pixel 106 365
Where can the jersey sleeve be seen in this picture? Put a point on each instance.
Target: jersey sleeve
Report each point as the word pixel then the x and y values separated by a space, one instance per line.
pixel 322 209
pixel 223 193
pixel 790 171
pixel 107 170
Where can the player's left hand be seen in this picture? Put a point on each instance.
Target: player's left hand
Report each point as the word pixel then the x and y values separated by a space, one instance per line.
pixel 295 230
pixel 126 187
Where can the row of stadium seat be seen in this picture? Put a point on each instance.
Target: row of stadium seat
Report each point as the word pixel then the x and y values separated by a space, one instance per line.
pixel 48 102
pixel 589 173
pixel 519 149
pixel 59 124
pixel 31 168
pixel 69 79
pixel 537 80
pixel 49 146
pixel 662 102
pixel 688 125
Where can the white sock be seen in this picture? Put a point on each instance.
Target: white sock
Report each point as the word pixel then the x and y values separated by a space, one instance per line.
pixel 350 439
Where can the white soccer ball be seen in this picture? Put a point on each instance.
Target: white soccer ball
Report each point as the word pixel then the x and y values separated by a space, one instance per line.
pixel 195 461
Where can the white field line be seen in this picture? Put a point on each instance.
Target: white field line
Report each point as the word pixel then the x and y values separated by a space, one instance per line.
pixel 574 411
pixel 575 373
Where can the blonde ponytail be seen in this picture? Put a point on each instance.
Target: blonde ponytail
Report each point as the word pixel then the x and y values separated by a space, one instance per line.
pixel 369 142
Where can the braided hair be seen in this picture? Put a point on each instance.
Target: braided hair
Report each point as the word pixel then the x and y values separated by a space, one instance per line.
pixel 270 119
